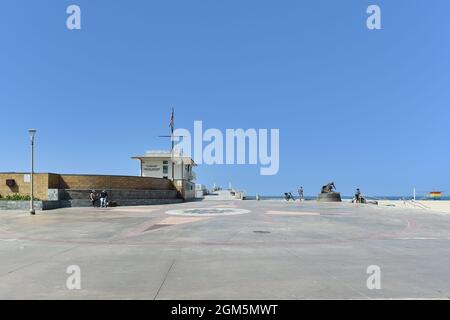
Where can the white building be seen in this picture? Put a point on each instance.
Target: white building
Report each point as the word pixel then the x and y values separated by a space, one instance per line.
pixel 158 164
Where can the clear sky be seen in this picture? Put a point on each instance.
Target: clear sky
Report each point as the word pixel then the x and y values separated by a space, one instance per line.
pixel 363 108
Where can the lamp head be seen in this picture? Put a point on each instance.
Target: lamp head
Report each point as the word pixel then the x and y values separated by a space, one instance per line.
pixel 32 133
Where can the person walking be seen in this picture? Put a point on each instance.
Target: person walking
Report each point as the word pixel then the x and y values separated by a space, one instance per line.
pixel 93 197
pixel 300 193
pixel 103 199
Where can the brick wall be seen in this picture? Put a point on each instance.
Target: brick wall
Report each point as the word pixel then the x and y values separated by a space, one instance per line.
pixel 45 181
pixel 113 182
pixel 22 187
pixel 54 181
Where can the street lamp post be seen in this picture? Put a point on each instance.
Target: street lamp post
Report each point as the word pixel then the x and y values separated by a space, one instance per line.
pixel 32 133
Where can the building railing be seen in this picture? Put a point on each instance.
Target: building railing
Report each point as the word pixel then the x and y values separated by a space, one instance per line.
pixel 192 176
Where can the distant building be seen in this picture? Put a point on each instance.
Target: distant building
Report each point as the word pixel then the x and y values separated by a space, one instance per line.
pixel 158 164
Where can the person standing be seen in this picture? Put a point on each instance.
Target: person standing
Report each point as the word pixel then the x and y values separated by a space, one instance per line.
pixel 358 196
pixel 93 197
pixel 300 193
pixel 103 199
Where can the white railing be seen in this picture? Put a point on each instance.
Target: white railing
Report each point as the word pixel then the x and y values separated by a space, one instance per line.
pixel 192 176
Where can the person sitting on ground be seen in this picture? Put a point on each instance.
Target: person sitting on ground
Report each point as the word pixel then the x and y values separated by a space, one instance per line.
pixel 291 196
pixel 93 197
pixel 103 199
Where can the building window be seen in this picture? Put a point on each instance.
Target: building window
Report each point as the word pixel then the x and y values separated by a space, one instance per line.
pixel 165 162
pixel 165 169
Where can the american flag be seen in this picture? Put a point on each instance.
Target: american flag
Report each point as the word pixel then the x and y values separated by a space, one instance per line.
pixel 171 121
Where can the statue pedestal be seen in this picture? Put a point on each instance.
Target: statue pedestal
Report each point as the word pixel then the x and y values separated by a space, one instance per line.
pixel 329 197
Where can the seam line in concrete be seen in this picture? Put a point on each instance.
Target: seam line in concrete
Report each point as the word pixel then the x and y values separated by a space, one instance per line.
pixel 164 280
pixel 37 261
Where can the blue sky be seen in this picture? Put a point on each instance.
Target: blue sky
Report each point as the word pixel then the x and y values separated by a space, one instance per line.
pixel 363 108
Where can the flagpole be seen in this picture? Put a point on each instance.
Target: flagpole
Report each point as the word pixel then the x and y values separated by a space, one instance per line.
pixel 172 137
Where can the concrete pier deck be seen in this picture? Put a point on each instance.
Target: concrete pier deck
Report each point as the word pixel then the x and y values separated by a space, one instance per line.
pixel 271 250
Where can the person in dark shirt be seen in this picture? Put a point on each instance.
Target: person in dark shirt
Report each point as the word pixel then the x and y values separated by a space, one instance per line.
pixel 358 196
pixel 103 199
pixel 291 196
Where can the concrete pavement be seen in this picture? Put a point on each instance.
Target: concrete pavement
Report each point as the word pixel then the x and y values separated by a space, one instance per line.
pixel 274 250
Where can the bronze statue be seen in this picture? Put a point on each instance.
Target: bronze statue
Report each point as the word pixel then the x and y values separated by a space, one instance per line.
pixel 328 193
pixel 328 188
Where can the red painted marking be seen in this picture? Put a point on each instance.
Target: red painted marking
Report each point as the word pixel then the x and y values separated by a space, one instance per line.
pixel 411 227
pixel 157 226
